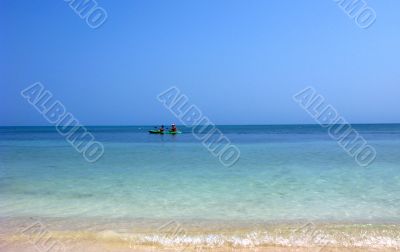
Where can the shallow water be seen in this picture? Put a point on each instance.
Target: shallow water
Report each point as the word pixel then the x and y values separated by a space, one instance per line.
pixel 285 175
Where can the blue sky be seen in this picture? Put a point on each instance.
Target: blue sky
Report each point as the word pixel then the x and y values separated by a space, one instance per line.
pixel 240 62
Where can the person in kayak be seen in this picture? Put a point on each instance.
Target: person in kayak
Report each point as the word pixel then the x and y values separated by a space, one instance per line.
pixel 161 129
pixel 173 128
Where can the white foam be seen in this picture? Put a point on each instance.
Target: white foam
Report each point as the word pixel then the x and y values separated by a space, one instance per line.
pixel 255 239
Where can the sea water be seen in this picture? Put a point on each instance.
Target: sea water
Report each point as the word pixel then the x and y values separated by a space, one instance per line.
pixel 286 174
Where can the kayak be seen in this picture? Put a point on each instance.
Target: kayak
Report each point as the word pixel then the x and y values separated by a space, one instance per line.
pixel 155 132
pixel 172 132
pixel 165 132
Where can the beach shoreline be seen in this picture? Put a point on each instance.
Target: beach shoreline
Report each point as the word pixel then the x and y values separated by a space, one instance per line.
pixel 96 247
pixel 26 234
pixel 25 245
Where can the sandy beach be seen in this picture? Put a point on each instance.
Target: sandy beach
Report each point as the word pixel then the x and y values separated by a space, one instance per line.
pixel 99 245
pixel 28 234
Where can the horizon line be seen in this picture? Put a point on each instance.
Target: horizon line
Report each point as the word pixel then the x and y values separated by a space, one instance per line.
pixel 152 125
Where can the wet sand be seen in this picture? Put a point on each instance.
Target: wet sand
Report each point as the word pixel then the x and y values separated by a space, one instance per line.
pixel 53 235
pixel 99 246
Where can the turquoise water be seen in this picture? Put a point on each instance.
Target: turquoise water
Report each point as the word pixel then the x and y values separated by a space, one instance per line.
pixel 285 174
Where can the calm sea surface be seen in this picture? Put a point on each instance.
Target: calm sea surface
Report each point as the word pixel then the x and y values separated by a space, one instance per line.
pixel 285 174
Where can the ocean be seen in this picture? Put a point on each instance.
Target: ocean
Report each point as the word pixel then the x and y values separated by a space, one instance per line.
pixel 292 186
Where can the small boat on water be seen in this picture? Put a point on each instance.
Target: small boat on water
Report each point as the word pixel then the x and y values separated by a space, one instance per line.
pixel 164 132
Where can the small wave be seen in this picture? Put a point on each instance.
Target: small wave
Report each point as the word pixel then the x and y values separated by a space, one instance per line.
pixel 348 238
pixel 307 236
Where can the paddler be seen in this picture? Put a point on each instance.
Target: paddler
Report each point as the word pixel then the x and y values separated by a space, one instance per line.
pixel 173 127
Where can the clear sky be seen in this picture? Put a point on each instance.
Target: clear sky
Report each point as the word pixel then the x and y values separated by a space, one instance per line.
pixel 240 62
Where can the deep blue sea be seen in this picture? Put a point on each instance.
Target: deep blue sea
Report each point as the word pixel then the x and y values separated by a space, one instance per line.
pixel 285 174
